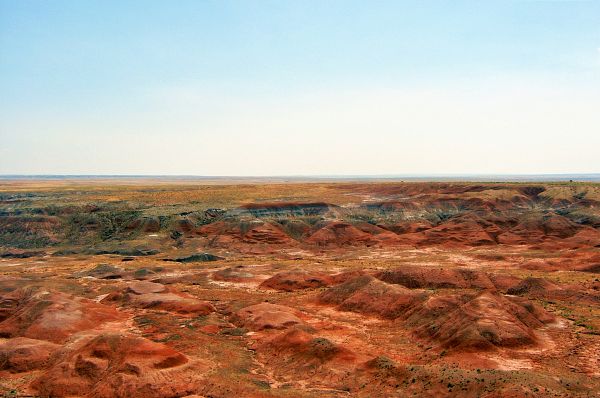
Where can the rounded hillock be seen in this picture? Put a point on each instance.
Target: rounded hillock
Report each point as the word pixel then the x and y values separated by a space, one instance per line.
pixel 371 296
pixel 436 278
pixel 266 316
pixel 486 321
pixel 297 280
pixel 116 365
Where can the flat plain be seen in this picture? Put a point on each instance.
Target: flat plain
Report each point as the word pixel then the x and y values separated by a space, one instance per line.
pixel 175 288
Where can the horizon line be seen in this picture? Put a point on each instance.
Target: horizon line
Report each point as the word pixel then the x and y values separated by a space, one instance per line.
pixel 452 176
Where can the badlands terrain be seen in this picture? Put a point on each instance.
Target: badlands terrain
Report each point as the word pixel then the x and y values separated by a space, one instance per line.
pixel 156 288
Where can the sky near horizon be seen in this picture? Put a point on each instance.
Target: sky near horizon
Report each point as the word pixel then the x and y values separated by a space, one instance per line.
pixel 299 87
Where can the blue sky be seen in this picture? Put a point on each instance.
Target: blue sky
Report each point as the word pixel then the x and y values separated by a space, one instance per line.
pixel 299 87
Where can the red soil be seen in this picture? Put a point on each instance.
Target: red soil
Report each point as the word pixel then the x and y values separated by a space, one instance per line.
pixel 117 365
pixel 371 296
pixel 52 316
pixel 297 280
pixel 441 292
pixel 22 354
pixel 300 346
pixel 459 321
pixel 486 321
pixel 339 234
pixel 225 233
pixel 266 316
pixel 151 295
pixel 435 278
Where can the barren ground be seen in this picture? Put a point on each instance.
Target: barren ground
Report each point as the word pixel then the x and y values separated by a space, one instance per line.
pixel 385 289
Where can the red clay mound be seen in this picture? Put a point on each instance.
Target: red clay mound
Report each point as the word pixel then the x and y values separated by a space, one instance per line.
pixel 297 280
pixel 346 276
pixel 111 365
pixel 504 281
pixel 535 228
pixel 300 347
pixel 265 316
pixel 152 295
pixel 22 354
pixel 389 238
pixel 435 307
pixel 510 238
pixel 436 278
pixel 540 288
pixel 221 233
pixel 467 230
pixel 407 227
pixel 53 316
pixel 372 229
pixel 233 274
pixel 224 233
pixel 380 234
pixel 267 233
pixel 593 268
pixel 586 263
pixel 217 228
pixel 340 234
pixel 587 236
pixel 489 320
pixel 534 286
pixel 559 226
pixel 371 296
pixel 297 356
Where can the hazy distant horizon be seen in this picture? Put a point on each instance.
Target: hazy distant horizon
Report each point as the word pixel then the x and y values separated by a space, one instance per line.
pixel 581 177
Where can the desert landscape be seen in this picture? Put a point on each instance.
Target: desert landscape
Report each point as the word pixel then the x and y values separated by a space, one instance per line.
pixel 223 288
pixel 299 199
